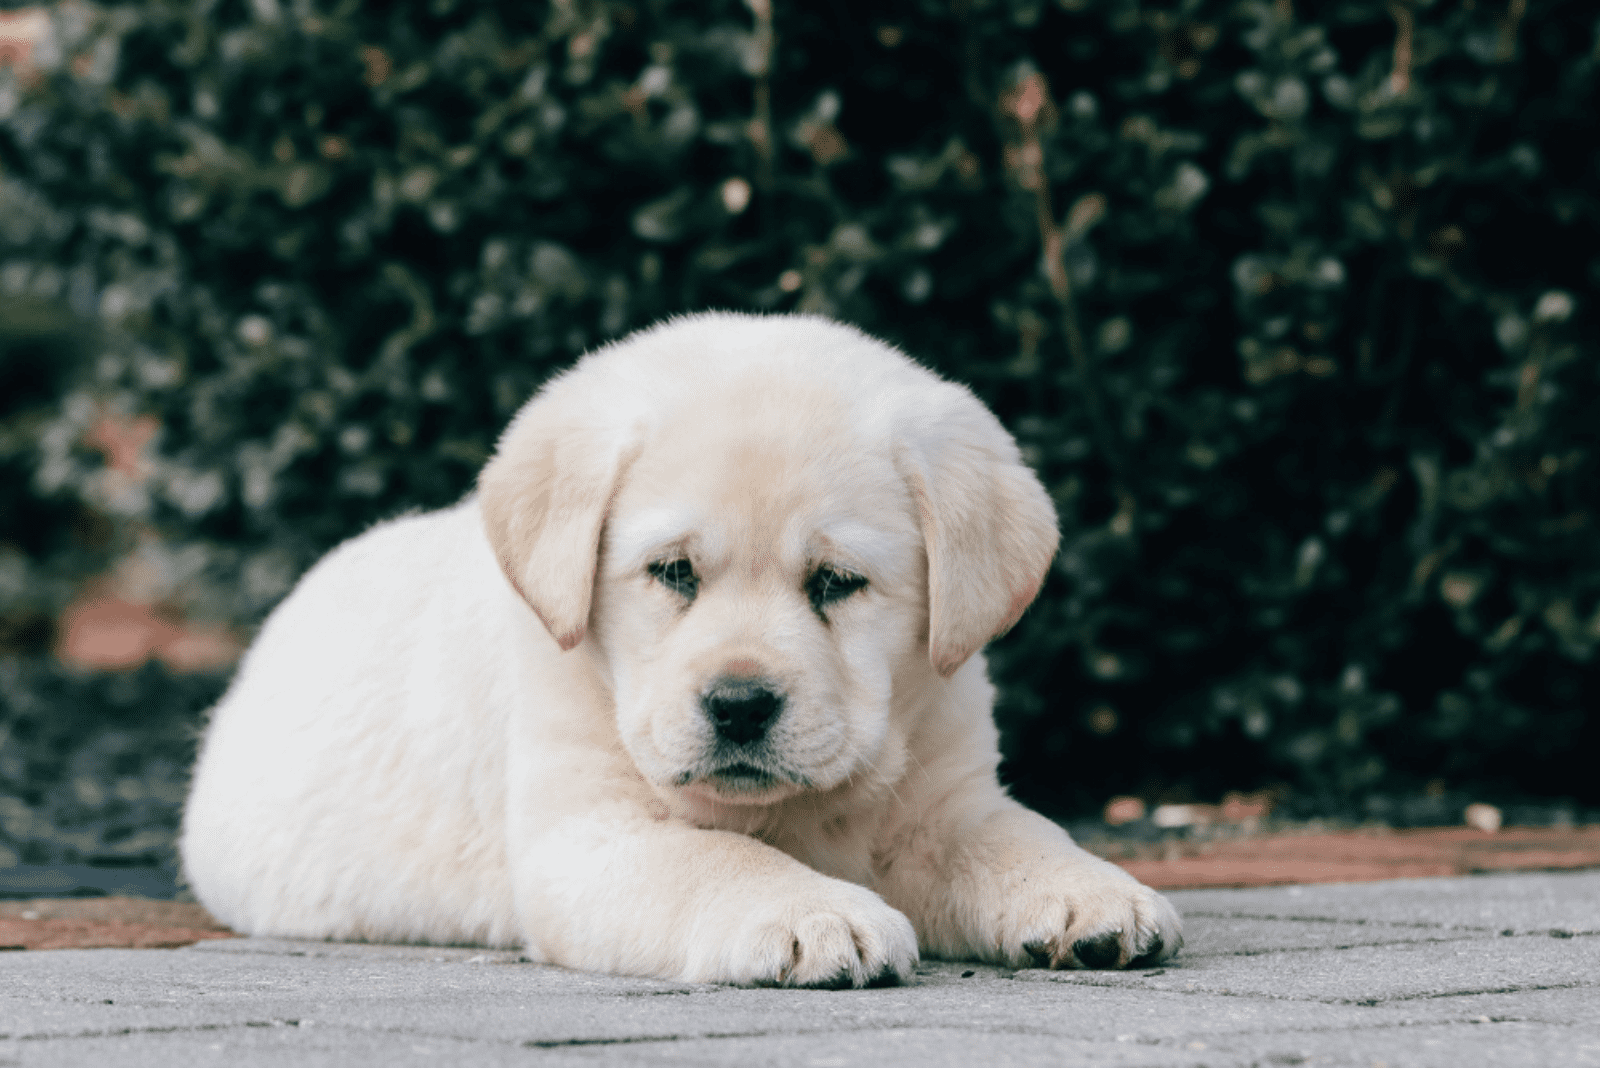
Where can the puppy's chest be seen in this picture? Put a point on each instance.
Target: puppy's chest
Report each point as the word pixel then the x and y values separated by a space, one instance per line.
pixel 836 845
pixel 829 838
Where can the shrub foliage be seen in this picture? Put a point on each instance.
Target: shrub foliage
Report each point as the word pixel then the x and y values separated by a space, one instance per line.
pixel 1288 304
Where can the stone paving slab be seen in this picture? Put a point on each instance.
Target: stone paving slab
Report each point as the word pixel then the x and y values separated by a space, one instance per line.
pixel 496 1011
pixel 1455 1045
pixel 1565 901
pixel 1504 1045
pixel 551 1007
pixel 991 1022
pixel 1397 974
pixel 1207 935
pixel 1363 975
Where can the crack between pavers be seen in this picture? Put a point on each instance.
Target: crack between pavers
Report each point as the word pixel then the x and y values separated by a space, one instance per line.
pixel 1533 989
pixel 1332 947
pixel 553 1043
pixel 629 1040
pixel 153 1029
pixel 1268 951
pixel 1318 949
pixel 1173 1043
pixel 1290 1032
pixel 1554 932
pixel 1335 919
pixel 1302 999
pixel 1329 1029
pixel 860 1030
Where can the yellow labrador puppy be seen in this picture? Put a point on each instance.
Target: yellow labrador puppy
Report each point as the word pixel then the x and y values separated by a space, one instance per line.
pixel 690 688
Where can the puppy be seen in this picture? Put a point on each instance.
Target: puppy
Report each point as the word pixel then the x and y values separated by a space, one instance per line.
pixel 690 688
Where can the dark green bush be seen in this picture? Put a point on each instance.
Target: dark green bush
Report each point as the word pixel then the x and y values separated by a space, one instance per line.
pixel 94 767
pixel 46 539
pixel 1289 304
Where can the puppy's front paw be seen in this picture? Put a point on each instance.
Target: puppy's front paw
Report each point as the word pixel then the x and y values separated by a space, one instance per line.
pixel 844 936
pixel 1089 914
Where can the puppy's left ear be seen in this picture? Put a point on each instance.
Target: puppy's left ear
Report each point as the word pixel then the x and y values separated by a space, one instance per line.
pixel 544 498
pixel 988 525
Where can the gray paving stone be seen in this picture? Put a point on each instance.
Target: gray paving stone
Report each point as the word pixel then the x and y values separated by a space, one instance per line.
pixel 1207 935
pixel 931 1046
pixel 1524 903
pixel 1578 1005
pixel 1417 975
pixel 1504 1045
pixel 1371 974
pixel 253 1046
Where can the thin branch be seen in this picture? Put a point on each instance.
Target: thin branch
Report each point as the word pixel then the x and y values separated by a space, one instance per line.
pixel 1508 30
pixel 760 130
pixel 1405 24
pixel 1030 107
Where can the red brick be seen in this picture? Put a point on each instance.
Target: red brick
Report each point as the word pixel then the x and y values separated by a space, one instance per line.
pixel 104 923
pixel 1359 856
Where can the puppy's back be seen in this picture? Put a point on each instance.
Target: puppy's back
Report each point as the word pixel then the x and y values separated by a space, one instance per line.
pixel 348 782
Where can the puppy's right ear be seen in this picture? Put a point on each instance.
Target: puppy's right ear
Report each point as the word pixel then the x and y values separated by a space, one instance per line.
pixel 545 496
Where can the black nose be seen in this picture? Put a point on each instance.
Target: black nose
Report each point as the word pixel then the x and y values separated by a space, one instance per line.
pixel 741 710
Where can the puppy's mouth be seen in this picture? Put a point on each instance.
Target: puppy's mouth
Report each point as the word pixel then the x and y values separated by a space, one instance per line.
pixel 743 777
pixel 741 782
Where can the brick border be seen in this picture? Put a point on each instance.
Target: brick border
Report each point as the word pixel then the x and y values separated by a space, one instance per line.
pixel 1355 856
pixel 104 923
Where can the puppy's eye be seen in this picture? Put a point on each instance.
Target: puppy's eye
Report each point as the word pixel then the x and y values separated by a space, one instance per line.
pixel 677 576
pixel 828 584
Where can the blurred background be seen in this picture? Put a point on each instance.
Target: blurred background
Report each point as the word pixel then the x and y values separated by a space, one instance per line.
pixel 1289 303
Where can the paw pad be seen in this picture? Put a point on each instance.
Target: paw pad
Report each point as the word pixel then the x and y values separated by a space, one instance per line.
pixel 1099 953
pixel 1151 955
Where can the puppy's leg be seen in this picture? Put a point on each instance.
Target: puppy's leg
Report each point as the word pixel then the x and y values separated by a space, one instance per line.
pixel 981 876
pixel 604 879
pixel 619 891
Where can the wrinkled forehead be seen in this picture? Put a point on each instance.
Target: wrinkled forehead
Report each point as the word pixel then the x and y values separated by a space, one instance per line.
pixel 784 488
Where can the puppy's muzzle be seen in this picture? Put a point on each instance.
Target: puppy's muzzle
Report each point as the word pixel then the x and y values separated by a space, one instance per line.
pixel 741 710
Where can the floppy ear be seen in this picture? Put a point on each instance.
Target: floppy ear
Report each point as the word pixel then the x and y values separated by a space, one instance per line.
pixel 988 525
pixel 544 498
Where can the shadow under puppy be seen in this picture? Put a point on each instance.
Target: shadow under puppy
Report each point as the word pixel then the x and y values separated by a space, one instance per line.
pixel 690 688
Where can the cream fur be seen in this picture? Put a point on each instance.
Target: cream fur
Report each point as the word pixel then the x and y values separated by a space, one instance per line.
pixel 484 725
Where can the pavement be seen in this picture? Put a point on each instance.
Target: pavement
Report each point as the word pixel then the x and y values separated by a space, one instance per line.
pixel 1500 969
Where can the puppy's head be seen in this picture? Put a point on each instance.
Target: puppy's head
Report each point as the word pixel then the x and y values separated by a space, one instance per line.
pixel 774 530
